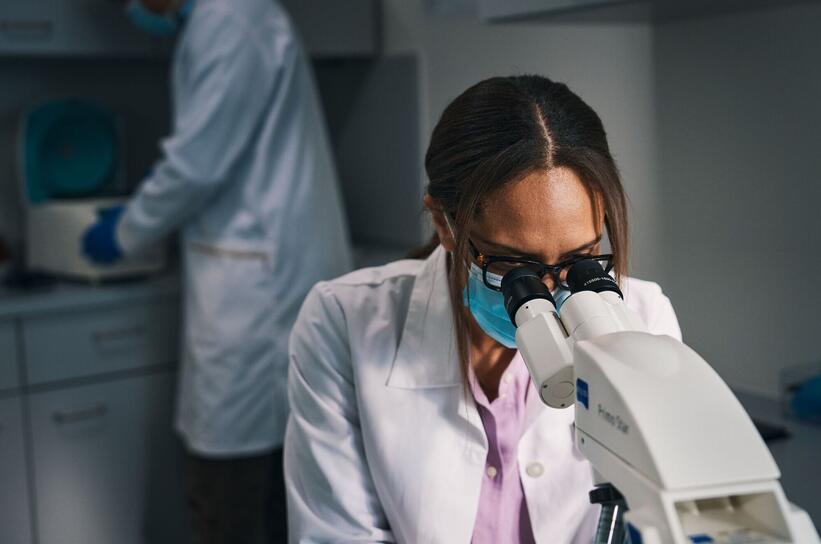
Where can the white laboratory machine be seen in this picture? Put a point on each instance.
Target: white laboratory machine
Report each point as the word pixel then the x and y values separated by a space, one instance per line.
pixel 71 167
pixel 666 437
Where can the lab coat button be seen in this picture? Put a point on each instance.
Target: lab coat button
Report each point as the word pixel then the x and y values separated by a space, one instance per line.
pixel 534 470
pixel 508 378
pixel 491 472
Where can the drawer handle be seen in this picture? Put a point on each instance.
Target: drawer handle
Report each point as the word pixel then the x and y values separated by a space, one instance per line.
pixel 26 29
pixel 81 414
pixel 118 334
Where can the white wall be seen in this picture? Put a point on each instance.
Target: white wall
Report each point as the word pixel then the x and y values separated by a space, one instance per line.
pixel 609 65
pixel 739 126
pixel 136 90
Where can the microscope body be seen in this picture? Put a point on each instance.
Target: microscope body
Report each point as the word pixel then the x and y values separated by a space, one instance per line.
pixel 658 423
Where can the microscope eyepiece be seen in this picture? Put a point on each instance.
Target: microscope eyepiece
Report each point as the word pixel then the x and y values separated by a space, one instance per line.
pixel 522 285
pixel 588 275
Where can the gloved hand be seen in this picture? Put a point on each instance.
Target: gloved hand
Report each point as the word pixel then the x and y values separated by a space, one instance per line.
pixel 100 240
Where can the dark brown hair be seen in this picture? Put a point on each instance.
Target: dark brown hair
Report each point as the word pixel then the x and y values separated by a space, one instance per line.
pixel 499 131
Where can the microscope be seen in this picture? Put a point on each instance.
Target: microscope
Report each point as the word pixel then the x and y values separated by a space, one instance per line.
pixel 675 457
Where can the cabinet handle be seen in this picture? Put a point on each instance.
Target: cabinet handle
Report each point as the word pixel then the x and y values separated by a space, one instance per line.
pixel 81 414
pixel 26 29
pixel 118 334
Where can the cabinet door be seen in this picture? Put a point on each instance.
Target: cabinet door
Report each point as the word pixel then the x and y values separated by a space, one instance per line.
pixel 15 519
pixel 8 355
pixel 106 463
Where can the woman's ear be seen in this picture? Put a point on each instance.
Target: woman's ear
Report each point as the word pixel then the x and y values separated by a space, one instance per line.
pixel 440 223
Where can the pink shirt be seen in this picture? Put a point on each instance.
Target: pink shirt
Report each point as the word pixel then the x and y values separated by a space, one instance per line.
pixel 502 514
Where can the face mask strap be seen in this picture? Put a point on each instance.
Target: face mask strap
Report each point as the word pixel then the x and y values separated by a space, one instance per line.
pixel 450 227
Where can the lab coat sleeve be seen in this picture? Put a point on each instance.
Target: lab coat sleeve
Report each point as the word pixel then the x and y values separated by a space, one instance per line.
pixel 224 93
pixel 331 495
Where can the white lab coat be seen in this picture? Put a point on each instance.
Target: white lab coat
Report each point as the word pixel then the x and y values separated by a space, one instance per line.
pixel 248 174
pixel 384 444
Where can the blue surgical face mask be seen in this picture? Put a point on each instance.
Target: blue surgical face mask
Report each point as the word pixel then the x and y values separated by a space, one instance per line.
pixel 158 24
pixel 560 294
pixel 488 306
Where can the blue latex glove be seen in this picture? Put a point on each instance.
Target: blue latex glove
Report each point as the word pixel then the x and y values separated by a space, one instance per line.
pixel 807 400
pixel 100 240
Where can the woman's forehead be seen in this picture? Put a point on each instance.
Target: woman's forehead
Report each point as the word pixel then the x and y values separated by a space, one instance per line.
pixel 545 212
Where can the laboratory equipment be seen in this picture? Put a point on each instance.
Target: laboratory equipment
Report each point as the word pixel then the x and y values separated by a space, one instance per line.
pixel 71 161
pixel 801 392
pixel 666 437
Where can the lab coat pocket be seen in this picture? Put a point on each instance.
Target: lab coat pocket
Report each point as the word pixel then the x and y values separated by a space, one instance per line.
pixel 229 295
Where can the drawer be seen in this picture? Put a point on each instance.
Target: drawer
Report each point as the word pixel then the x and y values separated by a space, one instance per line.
pixel 8 355
pixel 100 340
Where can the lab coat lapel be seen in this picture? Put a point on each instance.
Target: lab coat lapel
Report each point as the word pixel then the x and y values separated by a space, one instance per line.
pixel 427 354
pixel 427 362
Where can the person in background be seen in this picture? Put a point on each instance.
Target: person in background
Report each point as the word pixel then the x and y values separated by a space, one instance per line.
pixel 413 416
pixel 247 176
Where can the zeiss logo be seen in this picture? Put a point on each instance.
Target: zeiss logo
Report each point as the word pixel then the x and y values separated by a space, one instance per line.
pixel 582 395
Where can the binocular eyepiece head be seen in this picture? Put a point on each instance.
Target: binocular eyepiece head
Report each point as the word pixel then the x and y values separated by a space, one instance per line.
pixel 522 285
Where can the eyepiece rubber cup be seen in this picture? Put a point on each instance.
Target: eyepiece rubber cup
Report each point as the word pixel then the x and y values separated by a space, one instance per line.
pixel 588 275
pixel 522 285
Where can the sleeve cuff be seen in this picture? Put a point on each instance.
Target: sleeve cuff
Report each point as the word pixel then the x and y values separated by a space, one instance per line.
pixel 127 239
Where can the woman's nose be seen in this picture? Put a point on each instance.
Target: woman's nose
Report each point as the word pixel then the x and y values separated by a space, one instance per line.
pixel 549 282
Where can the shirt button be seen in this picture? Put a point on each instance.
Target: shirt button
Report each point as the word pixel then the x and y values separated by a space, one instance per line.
pixel 534 470
pixel 508 378
pixel 491 472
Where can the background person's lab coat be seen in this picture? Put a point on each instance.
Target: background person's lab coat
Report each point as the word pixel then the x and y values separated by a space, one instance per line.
pixel 248 173
pixel 384 444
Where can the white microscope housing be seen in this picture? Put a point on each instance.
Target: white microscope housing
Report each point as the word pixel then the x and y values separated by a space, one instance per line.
pixel 654 420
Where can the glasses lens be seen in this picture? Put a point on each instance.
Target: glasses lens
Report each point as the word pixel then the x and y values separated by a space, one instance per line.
pixel 500 268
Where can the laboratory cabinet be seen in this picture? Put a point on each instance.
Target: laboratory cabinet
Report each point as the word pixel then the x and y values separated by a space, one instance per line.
pixel 619 10
pixel 99 28
pixel 15 503
pixel 88 453
pixel 77 28
pixel 9 362
pixel 106 464
pixel 73 344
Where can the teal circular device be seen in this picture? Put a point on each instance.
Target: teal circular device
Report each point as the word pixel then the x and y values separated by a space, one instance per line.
pixel 70 149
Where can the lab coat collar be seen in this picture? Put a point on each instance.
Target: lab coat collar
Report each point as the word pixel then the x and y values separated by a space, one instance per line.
pixel 427 355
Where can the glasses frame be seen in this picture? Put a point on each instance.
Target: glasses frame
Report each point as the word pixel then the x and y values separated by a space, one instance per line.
pixel 484 261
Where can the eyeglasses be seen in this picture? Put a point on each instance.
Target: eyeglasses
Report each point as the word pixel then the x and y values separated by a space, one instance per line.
pixel 501 265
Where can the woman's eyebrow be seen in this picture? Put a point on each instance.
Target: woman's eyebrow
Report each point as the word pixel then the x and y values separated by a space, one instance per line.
pixel 512 251
pixel 588 245
pixel 501 249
